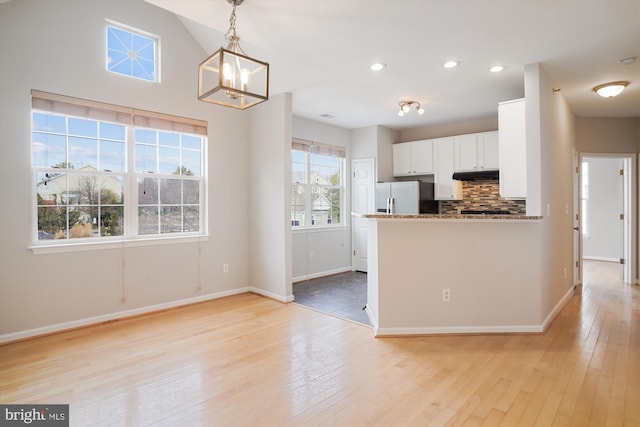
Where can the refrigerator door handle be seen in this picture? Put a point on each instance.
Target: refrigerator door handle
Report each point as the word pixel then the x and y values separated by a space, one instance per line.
pixel 392 207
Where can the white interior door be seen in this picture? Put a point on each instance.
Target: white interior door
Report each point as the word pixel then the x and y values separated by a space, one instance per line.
pixel 362 202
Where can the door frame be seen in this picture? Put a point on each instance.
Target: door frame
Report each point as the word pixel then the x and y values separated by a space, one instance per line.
pixel 629 190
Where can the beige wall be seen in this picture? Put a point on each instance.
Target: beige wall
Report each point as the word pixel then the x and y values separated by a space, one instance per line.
pixel 449 129
pixel 608 135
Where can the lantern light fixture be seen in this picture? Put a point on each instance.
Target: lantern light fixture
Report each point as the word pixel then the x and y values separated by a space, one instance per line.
pixel 609 90
pixel 405 106
pixel 230 77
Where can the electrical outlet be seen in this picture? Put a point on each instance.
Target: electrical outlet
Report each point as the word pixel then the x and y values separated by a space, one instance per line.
pixel 446 295
pixel 312 254
pixel 225 268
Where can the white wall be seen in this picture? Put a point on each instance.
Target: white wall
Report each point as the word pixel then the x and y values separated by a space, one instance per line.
pixel 59 47
pixel 323 251
pixel 604 241
pixel 270 180
pixel 449 129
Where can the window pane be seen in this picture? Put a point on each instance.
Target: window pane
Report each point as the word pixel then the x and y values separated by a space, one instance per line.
pixel 112 190
pixel 49 123
pixel 113 131
pixel 169 160
pixel 325 206
pixel 83 127
pixel 111 220
pixel 83 152
pixel 170 191
pixel 147 191
pixel 83 190
pixel 191 192
pixel 146 158
pixel 52 222
pixel 324 170
pixel 112 156
pixel 146 136
pixel 190 141
pixel 131 54
pixel 169 139
pixel 298 161
pixel 171 219
pixel 191 218
pixel 80 226
pixel 298 205
pixel 148 220
pixel 191 163
pixel 48 150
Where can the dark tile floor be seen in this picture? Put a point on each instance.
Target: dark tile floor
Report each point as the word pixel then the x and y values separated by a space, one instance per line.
pixel 341 295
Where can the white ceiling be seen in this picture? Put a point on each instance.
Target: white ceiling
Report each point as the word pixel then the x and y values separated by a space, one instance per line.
pixel 321 50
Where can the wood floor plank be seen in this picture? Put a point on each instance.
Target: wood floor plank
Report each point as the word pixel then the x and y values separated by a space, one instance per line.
pixel 246 360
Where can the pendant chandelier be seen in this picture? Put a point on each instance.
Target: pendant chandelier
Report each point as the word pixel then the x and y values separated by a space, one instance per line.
pixel 230 77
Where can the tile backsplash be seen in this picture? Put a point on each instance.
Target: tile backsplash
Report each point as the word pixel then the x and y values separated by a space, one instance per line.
pixel 482 195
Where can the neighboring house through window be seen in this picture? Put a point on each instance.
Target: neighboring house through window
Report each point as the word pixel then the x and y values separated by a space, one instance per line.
pixel 317 184
pixel 105 172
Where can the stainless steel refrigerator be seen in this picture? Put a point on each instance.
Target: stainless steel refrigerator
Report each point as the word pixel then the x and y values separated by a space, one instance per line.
pixel 405 197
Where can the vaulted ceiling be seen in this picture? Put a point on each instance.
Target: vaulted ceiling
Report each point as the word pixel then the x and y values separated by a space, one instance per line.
pixel 321 51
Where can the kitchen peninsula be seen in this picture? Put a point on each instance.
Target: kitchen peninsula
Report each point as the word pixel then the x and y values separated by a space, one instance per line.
pixel 432 274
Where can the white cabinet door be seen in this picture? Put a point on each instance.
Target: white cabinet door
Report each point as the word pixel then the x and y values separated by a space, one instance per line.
pixel 466 153
pixel 513 149
pixel 445 187
pixel 488 150
pixel 402 159
pixel 422 157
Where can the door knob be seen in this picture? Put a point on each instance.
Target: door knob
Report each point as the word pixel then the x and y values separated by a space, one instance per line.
pixel 576 228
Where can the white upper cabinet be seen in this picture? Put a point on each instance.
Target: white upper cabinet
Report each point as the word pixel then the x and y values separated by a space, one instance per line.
pixel 401 159
pixel 477 151
pixel 489 143
pixel 413 158
pixel 513 149
pixel 445 187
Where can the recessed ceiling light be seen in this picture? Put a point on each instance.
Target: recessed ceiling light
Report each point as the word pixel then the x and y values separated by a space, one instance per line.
pixel 451 64
pixel 378 66
pixel 496 68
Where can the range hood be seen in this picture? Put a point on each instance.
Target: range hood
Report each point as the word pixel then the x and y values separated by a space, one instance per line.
pixel 482 175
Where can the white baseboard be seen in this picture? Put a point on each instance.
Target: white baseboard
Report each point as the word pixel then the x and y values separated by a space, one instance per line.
pixel 321 274
pixel 530 329
pixel 280 298
pixel 449 330
pixel 557 309
pixel 30 333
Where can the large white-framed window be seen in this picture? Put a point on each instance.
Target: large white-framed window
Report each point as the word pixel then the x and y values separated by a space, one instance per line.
pixel 110 173
pixel 317 184
pixel 132 52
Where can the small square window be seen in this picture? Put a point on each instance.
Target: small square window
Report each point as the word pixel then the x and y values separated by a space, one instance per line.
pixel 132 53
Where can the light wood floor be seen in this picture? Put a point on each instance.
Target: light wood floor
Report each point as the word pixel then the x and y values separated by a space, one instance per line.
pixel 249 361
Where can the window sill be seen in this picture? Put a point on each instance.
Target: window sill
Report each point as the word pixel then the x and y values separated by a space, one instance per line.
pixel 114 244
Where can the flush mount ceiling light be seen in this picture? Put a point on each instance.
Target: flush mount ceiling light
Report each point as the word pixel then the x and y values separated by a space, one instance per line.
pixel 230 77
pixel 405 106
pixel 609 90
pixel 378 66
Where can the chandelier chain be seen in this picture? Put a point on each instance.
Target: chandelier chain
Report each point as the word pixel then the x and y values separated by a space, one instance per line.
pixel 232 25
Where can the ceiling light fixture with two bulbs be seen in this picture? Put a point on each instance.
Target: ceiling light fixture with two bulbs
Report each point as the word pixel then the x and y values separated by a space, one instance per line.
pixel 405 106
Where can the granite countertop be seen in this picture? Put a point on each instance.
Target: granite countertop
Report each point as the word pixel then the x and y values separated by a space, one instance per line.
pixel 448 216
